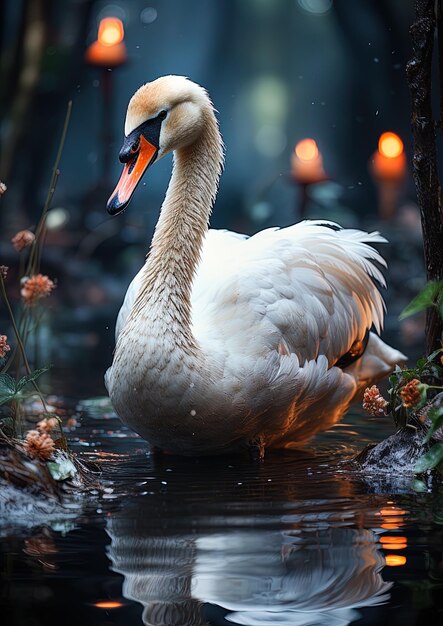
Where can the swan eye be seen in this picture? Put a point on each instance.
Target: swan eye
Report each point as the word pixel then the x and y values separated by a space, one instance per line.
pixel 134 147
pixel 162 115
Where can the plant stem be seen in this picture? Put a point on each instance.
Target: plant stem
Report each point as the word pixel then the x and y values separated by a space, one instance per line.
pixel 19 339
pixel 35 255
pixel 14 325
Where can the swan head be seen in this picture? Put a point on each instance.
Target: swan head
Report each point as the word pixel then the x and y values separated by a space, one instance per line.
pixel 164 115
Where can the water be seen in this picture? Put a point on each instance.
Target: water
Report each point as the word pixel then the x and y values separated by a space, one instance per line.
pixel 297 540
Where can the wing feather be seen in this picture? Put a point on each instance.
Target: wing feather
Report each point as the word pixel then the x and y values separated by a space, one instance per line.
pixel 307 285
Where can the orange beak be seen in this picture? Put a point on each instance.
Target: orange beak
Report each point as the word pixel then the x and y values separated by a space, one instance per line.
pixel 132 174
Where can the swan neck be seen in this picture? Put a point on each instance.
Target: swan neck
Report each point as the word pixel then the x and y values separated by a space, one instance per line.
pixel 181 228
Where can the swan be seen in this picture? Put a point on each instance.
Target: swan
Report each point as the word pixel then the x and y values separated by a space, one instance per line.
pixel 227 342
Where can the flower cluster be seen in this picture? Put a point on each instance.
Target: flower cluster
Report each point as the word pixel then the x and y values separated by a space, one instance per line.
pixel 39 445
pixel 373 401
pixel 4 347
pixel 4 271
pixel 410 394
pixel 23 239
pixel 47 425
pixel 36 287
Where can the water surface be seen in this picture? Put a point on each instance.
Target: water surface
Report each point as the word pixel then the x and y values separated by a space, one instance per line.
pixel 297 540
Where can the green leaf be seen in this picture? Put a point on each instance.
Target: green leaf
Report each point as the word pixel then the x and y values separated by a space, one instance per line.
pixel 7 385
pixel 431 295
pixel 8 388
pixel 435 371
pixel 419 485
pixel 62 469
pixel 432 356
pixel 4 399
pixel 29 378
pixel 7 425
pixel 436 417
pixel 430 459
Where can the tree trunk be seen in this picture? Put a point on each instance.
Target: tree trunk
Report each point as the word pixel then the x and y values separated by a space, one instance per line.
pixel 425 168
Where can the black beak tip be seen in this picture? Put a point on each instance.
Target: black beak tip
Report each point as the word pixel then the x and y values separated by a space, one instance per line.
pixel 114 205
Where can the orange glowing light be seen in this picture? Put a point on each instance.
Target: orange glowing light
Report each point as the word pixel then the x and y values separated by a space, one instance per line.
pixel 108 604
pixel 395 560
pixel 393 542
pixel 390 526
pixel 391 511
pixel 307 163
pixel 393 517
pixel 110 31
pixel 390 145
pixel 393 539
pixel 109 49
pixel 306 150
pixel 388 165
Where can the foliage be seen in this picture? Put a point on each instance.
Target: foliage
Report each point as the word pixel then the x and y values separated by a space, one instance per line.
pixel 12 389
pixel 34 286
pixel 411 391
pixel 430 296
pixel 426 369
pixel 62 468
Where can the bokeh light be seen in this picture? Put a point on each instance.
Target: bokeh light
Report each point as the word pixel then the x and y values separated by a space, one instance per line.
pixel 108 604
pixel 317 7
pixel 306 150
pixel 110 31
pixel 148 15
pixel 395 542
pixel 395 560
pixel 390 145
pixel 57 218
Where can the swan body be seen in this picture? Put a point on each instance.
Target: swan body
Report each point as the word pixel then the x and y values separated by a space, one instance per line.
pixel 226 341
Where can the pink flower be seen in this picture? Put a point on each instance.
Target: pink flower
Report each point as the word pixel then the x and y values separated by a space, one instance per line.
pixel 36 287
pixel 4 347
pixel 39 445
pixel 23 239
pixel 373 401
pixel 3 188
pixel 47 425
pixel 411 393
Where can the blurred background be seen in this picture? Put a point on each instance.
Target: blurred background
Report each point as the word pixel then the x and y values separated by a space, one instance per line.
pixel 306 91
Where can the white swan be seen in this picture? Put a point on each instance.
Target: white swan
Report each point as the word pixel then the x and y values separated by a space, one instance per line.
pixel 225 341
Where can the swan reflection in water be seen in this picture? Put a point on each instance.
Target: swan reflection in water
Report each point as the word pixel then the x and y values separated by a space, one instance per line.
pixel 302 575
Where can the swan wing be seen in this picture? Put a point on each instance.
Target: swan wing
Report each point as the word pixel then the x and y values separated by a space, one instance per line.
pixel 308 290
